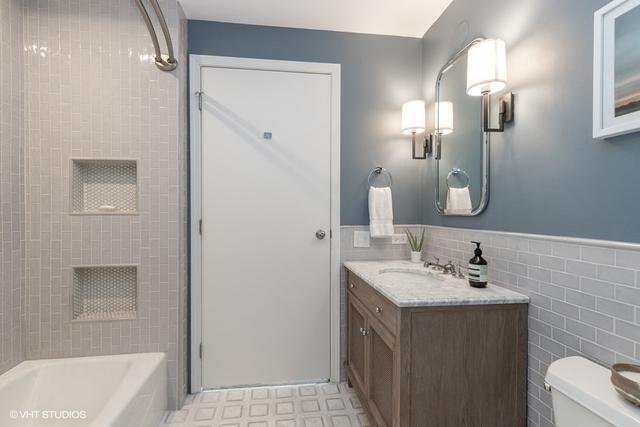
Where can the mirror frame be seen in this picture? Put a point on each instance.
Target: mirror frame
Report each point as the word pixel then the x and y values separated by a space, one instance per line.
pixel 484 195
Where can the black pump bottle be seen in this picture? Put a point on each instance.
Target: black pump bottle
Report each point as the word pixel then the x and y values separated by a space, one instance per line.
pixel 478 269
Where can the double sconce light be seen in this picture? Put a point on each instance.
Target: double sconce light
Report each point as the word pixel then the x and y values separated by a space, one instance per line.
pixel 486 74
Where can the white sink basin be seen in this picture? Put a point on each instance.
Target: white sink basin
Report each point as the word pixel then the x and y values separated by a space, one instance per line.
pixel 411 275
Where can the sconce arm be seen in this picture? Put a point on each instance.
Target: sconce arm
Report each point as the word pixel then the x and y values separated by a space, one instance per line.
pixel 505 115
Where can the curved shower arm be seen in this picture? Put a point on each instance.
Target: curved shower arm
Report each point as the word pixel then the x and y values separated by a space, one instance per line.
pixel 165 31
pixel 165 65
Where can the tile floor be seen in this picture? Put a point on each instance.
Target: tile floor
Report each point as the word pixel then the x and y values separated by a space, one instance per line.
pixel 319 405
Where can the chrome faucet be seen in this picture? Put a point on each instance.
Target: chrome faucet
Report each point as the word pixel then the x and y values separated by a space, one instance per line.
pixel 448 268
pixel 435 265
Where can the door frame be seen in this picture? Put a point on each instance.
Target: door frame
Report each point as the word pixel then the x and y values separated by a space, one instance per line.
pixel 196 63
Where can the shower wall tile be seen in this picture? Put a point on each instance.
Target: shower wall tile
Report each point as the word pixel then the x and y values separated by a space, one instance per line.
pixel 12 235
pixel 182 213
pixel 585 296
pixel 92 90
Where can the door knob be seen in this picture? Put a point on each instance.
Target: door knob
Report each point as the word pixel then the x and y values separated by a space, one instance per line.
pixel 321 234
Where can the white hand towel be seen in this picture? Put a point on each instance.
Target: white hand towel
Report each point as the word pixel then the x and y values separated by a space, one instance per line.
pixel 458 200
pixel 380 212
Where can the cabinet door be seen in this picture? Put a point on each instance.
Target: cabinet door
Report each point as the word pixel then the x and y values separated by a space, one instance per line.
pixel 357 338
pixel 381 358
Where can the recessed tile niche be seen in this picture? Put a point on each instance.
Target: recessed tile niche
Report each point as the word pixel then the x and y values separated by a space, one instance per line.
pixel 105 292
pixel 104 187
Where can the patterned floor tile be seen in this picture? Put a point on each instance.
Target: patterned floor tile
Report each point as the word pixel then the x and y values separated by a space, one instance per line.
pixel 330 389
pixel 310 405
pixel 232 411
pixel 322 405
pixel 235 395
pixel 204 414
pixel 260 394
pixel 284 408
pixel 210 397
pixel 341 421
pixel 308 390
pixel 259 410
pixel 284 392
pixel 335 404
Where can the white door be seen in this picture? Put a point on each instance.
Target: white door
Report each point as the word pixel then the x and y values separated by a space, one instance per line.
pixel 266 190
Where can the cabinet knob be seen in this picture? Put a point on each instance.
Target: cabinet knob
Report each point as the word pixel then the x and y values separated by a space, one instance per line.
pixel 378 309
pixel 364 332
pixel 352 285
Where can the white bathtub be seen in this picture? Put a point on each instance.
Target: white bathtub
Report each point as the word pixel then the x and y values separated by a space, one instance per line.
pixel 123 390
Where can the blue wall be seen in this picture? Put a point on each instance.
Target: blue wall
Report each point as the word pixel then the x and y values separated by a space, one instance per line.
pixel 548 175
pixel 379 73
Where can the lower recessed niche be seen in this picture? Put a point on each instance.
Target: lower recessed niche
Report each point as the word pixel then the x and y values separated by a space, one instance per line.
pixel 104 186
pixel 105 292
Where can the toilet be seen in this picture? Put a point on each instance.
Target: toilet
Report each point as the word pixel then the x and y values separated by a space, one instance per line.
pixel 583 395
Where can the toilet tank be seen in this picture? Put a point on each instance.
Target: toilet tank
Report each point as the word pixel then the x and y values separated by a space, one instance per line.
pixel 583 395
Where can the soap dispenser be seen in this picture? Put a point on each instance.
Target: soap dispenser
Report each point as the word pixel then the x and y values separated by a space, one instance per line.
pixel 478 269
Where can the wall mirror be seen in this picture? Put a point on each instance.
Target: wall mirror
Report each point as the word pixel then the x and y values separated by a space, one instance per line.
pixel 462 147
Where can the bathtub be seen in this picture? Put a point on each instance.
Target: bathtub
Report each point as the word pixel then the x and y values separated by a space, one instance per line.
pixel 124 390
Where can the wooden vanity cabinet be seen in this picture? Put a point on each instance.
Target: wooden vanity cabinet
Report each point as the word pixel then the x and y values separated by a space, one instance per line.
pixel 436 366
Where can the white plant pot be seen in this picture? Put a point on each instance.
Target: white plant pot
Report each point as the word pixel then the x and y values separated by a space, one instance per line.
pixel 416 257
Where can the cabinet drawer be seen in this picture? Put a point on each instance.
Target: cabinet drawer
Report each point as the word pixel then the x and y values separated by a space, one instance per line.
pixel 380 307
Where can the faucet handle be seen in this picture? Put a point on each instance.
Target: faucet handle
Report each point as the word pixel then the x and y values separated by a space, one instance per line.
pixel 460 275
pixel 449 268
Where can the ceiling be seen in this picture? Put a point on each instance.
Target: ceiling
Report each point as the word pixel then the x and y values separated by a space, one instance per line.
pixel 411 18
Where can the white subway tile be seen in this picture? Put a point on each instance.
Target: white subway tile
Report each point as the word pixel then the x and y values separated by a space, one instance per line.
pixel 617 344
pixel 552 263
pixel 597 255
pixel 616 309
pixel 581 268
pixel 616 275
pixel 628 330
pixel 628 259
pixel 597 287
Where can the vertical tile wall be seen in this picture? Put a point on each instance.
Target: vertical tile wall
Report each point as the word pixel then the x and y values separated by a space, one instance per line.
pixel 585 297
pixel 183 206
pixel 380 249
pixel 92 91
pixel 11 185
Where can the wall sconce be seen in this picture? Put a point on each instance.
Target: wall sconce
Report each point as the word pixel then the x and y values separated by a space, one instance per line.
pixel 443 112
pixel 444 117
pixel 487 74
pixel 413 123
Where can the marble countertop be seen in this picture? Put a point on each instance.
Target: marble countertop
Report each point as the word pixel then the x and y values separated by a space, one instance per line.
pixel 411 285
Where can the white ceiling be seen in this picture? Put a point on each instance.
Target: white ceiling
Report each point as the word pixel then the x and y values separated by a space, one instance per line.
pixel 410 18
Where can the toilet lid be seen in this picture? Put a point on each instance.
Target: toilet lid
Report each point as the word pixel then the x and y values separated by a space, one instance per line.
pixel 589 385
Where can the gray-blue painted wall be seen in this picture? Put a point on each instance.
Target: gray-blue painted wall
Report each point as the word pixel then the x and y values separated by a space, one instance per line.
pixel 548 175
pixel 379 73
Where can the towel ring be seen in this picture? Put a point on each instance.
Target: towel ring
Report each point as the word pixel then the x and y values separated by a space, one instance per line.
pixel 377 171
pixel 456 172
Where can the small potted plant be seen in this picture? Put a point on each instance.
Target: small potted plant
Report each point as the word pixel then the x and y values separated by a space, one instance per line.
pixel 415 245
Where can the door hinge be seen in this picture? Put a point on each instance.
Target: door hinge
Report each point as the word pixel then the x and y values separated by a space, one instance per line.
pixel 200 350
pixel 200 227
pixel 199 95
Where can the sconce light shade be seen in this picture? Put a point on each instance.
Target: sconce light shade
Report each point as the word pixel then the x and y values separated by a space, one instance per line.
pixel 444 117
pixel 413 117
pixel 486 67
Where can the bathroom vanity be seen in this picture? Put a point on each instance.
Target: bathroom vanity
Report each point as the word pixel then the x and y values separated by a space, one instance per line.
pixel 425 349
